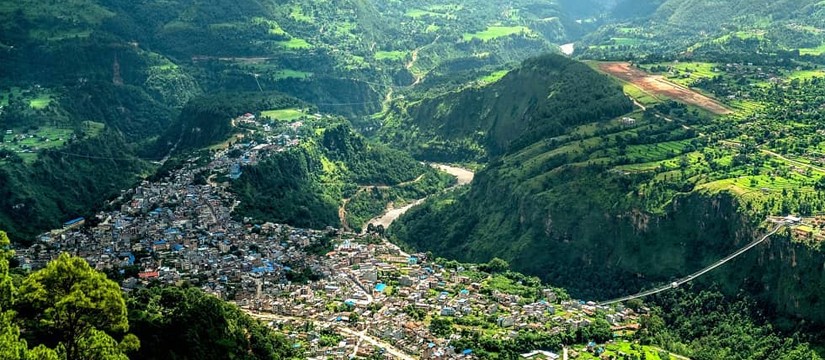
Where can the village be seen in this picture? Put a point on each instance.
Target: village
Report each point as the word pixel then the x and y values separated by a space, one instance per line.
pixel 337 294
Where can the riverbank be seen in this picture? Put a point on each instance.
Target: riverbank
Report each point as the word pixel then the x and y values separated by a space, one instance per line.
pixel 463 177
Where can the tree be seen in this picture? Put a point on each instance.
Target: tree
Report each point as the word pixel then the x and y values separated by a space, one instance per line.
pixel 11 346
pixel 186 323
pixel 441 327
pixel 497 265
pixel 71 306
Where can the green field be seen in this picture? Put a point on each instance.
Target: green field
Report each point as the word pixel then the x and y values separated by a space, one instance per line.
pixel 297 14
pixel 291 74
pixel 686 73
pixel 391 55
pixel 813 51
pixel 627 348
pixel 283 114
pixel 295 44
pixel 26 144
pixel 493 77
pixel 40 102
pixel 624 41
pixel 495 32
pixel 805 74
pixel 37 102
pixel 641 96
pixel 418 13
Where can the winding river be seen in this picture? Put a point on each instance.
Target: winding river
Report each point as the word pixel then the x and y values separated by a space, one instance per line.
pixel 463 177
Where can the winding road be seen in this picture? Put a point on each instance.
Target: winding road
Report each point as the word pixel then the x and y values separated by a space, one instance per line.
pixel 697 274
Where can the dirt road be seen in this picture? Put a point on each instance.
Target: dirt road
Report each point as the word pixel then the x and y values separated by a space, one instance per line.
pixel 658 85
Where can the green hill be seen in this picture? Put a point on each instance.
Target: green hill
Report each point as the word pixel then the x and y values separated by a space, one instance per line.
pixel 129 77
pixel 537 100
pixel 614 203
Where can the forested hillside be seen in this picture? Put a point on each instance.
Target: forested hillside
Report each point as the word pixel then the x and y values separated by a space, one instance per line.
pixel 536 101
pixel 305 186
pixel 647 197
pixel 641 29
pixel 110 87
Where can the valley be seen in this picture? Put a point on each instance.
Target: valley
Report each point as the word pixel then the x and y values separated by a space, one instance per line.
pixel 463 177
pixel 414 179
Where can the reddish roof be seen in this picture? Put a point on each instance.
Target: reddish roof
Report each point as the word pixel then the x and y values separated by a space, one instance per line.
pixel 149 275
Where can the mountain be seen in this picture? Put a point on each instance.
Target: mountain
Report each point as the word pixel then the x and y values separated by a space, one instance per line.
pixel 537 100
pixel 622 200
pixel 110 87
pixel 639 29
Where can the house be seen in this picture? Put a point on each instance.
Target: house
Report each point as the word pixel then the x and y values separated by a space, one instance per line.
pixel 540 354
pixel 74 223
pixel 148 275
pixel 628 121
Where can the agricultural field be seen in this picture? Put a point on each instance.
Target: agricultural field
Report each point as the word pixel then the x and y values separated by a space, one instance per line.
pixel 805 74
pixel 813 51
pixel 37 100
pixel 291 74
pixel 687 73
pixel 297 14
pixel 283 114
pixel 617 349
pixel 295 44
pixel 26 143
pixel 495 32
pixel 391 55
pixel 493 77
pixel 418 14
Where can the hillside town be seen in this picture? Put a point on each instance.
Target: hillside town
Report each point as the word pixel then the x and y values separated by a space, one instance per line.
pixel 338 294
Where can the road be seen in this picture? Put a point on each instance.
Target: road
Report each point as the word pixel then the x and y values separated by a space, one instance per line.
pixel 697 274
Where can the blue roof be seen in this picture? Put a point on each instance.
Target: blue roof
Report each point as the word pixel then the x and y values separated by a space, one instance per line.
pixel 177 247
pixel 160 242
pixel 74 221
pixel 467 351
pixel 380 287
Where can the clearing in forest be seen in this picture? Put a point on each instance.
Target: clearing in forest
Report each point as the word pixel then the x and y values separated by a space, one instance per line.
pixel 658 85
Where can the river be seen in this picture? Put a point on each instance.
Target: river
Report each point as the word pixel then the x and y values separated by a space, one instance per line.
pixel 463 177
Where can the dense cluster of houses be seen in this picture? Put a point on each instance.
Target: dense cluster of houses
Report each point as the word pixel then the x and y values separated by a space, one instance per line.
pixel 358 286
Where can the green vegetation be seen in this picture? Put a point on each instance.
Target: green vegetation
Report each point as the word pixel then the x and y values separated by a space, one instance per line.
pixel 66 310
pixel 70 311
pixel 197 325
pixel 283 114
pixel 391 55
pixel 705 325
pixel 476 123
pixel 295 44
pixel 495 32
pixel 647 178
pixel 305 186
